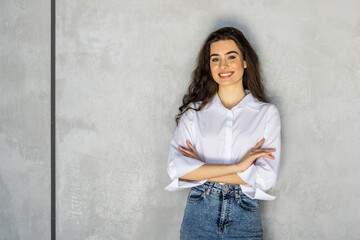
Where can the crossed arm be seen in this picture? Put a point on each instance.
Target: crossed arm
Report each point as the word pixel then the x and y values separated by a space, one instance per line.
pixel 225 173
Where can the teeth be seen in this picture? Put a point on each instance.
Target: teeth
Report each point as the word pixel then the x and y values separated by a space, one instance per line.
pixel 225 74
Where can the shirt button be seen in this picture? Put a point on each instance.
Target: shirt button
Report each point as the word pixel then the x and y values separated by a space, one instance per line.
pixel 226 189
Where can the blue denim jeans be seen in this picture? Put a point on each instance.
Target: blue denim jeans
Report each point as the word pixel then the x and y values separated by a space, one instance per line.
pixel 215 211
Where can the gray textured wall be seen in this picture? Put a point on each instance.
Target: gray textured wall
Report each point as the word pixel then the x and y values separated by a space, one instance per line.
pixel 24 120
pixel 122 69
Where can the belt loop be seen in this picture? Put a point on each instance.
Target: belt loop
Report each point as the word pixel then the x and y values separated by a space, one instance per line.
pixel 209 188
pixel 237 193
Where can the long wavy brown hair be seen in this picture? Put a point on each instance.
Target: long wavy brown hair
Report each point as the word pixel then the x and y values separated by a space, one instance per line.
pixel 203 87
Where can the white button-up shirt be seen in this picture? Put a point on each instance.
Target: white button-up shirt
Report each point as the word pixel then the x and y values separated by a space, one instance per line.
pixel 223 136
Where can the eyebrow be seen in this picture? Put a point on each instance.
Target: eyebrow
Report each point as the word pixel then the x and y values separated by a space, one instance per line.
pixel 225 53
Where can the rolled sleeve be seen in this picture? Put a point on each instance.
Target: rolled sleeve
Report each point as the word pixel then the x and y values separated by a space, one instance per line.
pixel 179 165
pixel 262 175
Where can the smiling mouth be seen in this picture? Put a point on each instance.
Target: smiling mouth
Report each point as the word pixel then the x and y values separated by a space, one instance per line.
pixel 225 74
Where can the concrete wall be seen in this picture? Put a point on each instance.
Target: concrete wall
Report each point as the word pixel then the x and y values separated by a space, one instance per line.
pixel 24 120
pixel 122 69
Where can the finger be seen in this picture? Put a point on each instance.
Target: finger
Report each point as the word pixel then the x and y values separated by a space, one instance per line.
pixel 265 150
pixel 267 155
pixel 260 143
pixel 187 155
pixel 185 150
pixel 188 151
pixel 190 145
pixel 192 156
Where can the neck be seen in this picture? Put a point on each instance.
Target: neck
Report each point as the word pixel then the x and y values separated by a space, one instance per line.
pixel 231 95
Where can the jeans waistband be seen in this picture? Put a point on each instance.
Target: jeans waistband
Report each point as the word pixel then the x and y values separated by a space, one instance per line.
pixel 231 189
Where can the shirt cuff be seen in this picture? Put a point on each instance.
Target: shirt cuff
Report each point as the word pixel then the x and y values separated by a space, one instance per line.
pixel 248 175
pixel 179 167
pixel 182 184
pixel 252 189
pixel 256 193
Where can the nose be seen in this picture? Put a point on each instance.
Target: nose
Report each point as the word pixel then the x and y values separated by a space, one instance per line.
pixel 223 63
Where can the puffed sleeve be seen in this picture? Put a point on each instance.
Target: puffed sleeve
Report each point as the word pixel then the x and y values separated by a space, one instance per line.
pixel 178 165
pixel 262 175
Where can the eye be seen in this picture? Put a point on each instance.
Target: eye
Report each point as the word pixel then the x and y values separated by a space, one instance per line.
pixel 214 59
pixel 231 57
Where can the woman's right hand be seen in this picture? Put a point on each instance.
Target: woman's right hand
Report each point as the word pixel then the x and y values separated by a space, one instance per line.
pixel 253 154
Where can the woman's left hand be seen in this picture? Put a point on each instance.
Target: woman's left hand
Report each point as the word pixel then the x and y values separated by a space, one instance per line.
pixel 191 152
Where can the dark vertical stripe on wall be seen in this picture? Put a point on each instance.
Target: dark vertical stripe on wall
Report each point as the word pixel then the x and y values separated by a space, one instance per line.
pixel 52 95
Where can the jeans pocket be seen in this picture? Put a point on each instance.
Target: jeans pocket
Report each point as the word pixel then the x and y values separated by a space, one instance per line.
pixel 248 203
pixel 196 194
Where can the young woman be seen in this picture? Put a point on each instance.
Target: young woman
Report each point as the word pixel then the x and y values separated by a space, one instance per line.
pixel 226 146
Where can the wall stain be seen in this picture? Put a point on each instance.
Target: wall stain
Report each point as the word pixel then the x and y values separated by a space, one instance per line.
pixel 67 124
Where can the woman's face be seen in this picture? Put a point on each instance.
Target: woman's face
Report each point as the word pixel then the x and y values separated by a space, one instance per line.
pixel 226 62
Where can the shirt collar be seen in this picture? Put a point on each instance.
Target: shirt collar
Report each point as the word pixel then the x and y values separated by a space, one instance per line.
pixel 249 101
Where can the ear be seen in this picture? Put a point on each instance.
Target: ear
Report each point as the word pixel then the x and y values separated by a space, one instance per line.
pixel 245 64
